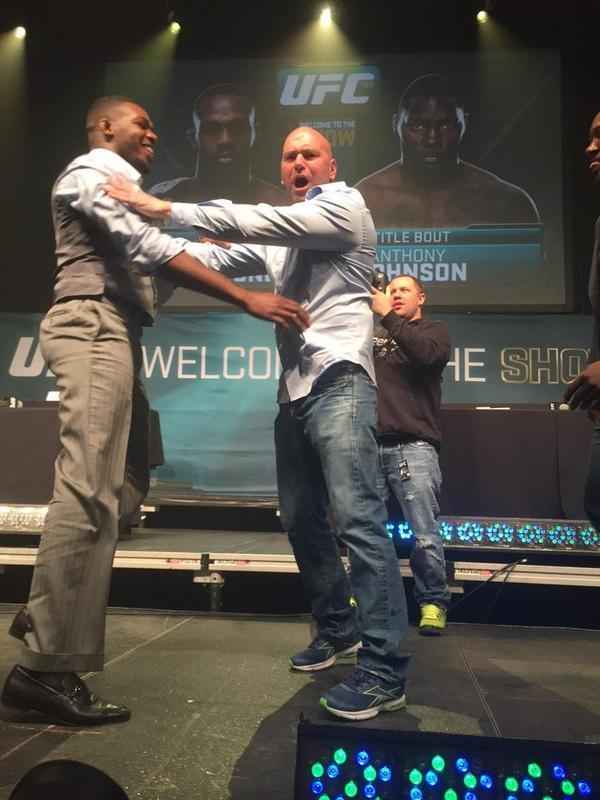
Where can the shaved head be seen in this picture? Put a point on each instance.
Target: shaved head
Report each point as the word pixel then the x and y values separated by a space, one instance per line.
pixel 315 136
pixel 306 161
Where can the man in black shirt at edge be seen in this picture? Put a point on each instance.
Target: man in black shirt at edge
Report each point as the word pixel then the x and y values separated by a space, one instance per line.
pixel 584 391
pixel 410 355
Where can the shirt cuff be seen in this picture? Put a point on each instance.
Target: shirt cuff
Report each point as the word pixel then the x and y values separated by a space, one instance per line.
pixel 180 215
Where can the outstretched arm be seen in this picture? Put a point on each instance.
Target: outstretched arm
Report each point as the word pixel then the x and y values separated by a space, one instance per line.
pixel 329 222
pixel 153 251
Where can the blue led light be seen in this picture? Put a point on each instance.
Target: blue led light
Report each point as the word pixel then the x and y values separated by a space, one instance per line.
pixel 462 765
pixel 317 787
pixel 500 532
pixel 486 781
pixel 385 774
pixel 333 771
pixel 511 797
pixel 416 794
pixel 362 758
pixel 584 788
pixel 470 796
pixel 559 772
pixel 370 791
pixel 431 778
pixel 528 786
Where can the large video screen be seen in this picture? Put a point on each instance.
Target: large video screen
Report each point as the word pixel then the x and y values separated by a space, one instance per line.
pixel 458 156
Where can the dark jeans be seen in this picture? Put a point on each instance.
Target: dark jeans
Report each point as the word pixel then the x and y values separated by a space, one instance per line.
pixel 327 455
pixel 418 497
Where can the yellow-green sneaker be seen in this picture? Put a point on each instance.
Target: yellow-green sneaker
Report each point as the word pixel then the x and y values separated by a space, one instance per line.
pixel 433 620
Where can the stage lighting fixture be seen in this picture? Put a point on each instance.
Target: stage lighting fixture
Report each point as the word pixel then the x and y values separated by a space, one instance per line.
pixel 399 765
pixel 325 17
pixel 482 16
pixel 508 534
pixel 174 27
pixel 28 519
pixel 20 32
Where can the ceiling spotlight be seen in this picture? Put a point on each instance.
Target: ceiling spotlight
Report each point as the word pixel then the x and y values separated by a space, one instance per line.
pixel 482 16
pixel 326 17
pixel 20 32
pixel 174 27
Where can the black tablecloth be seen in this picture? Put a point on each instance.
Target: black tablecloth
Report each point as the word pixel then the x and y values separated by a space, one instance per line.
pixel 29 444
pixel 517 463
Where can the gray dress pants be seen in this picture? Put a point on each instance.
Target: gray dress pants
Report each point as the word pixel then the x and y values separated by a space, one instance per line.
pixel 101 476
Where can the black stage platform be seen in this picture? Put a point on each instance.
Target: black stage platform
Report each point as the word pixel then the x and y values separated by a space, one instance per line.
pixel 215 708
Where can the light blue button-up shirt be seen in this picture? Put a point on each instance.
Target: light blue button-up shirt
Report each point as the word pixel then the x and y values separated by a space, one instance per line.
pixel 320 252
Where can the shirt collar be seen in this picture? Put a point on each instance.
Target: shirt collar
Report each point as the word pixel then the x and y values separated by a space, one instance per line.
pixel 102 157
pixel 336 186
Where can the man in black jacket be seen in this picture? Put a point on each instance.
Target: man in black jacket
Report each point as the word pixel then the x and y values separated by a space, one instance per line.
pixel 584 391
pixel 410 355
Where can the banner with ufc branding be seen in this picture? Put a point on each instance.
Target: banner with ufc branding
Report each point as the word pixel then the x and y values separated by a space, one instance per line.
pixel 465 194
pixel 213 378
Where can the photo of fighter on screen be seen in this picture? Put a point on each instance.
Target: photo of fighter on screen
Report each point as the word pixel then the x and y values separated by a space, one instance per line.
pixel 223 134
pixel 430 186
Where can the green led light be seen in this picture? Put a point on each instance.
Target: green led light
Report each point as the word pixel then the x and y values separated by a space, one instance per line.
pixel 415 777
pixel 340 756
pixel 512 784
pixel 324 797
pixel 470 780
pixel 318 770
pixel 547 797
pixel 370 774
pixel 567 788
pixel 438 763
pixel 351 789
pixel 450 794
pixel 534 770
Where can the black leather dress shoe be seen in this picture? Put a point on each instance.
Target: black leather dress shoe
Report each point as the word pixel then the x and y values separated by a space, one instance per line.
pixel 72 703
pixel 21 625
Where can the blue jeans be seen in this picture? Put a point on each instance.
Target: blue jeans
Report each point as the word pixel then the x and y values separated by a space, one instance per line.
pixel 418 496
pixel 327 456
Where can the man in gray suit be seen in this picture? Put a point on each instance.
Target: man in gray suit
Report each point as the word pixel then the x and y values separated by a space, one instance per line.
pixel 104 293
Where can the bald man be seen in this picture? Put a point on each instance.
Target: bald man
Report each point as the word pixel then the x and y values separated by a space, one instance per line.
pixel 320 251
pixel 104 293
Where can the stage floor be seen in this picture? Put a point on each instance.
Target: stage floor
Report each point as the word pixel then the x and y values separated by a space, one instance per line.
pixel 215 707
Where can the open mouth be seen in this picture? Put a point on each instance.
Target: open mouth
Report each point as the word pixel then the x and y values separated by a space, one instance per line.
pixel 149 149
pixel 300 182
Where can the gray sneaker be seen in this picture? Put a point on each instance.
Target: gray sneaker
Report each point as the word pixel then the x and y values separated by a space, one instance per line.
pixel 363 695
pixel 321 654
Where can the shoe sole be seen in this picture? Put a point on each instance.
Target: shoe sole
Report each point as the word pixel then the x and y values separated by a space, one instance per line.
pixel 347 656
pixel 367 713
pixel 48 718
pixel 429 630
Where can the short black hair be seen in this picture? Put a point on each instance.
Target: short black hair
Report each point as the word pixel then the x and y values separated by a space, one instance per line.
pixel 102 106
pixel 431 85
pixel 219 89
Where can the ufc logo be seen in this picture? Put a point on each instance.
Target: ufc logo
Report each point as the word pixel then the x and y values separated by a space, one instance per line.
pixel 313 89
